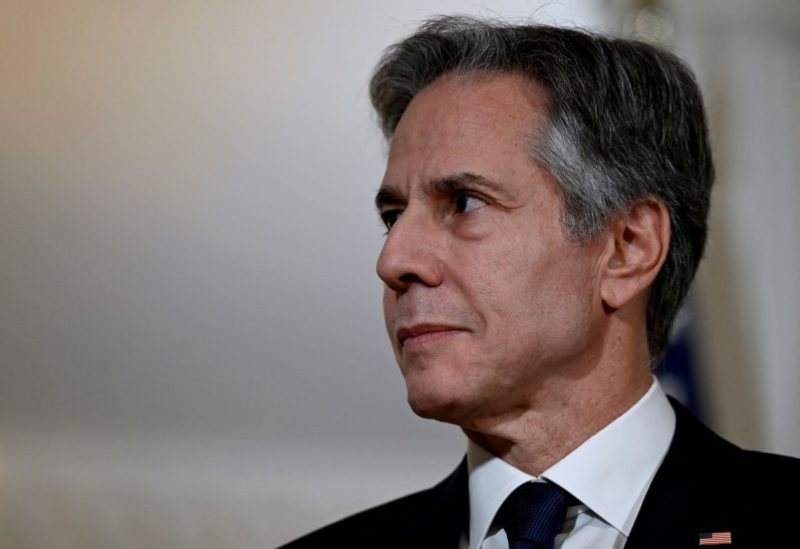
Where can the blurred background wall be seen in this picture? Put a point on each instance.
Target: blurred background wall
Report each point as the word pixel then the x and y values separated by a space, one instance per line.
pixel 191 344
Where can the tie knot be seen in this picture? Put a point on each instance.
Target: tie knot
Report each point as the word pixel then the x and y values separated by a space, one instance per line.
pixel 533 515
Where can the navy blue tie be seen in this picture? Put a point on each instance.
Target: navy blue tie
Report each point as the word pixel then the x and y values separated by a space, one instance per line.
pixel 533 515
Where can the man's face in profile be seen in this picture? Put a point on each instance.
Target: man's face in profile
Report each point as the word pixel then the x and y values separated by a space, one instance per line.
pixel 487 302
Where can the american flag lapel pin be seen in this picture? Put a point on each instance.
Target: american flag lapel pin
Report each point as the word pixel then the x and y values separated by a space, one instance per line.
pixel 715 538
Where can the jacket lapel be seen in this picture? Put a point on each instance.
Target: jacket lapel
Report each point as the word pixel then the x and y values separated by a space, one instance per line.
pixel 686 496
pixel 449 511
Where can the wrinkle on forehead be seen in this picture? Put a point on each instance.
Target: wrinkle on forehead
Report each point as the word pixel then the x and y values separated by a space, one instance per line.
pixel 468 123
pixel 521 98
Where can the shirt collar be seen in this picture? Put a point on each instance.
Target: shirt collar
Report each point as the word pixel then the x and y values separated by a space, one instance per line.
pixel 611 483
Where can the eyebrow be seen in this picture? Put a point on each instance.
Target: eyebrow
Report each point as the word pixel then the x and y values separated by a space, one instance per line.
pixel 387 195
pixel 442 185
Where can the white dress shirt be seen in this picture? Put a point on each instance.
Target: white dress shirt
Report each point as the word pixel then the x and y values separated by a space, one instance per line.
pixel 609 474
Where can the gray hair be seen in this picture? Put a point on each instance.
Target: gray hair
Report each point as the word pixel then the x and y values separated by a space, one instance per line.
pixel 625 123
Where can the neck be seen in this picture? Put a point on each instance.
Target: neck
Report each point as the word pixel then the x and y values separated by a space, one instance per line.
pixel 564 413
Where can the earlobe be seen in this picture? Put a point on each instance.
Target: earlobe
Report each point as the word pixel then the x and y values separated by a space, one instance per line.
pixel 636 247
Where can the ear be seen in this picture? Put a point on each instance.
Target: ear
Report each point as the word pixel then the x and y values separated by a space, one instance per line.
pixel 636 247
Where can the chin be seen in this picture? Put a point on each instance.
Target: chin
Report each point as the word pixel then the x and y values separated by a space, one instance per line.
pixel 432 402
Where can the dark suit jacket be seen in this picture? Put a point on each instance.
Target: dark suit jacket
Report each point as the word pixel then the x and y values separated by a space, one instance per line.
pixel 705 484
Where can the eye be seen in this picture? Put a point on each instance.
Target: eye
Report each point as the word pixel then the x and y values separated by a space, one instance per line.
pixel 390 217
pixel 465 203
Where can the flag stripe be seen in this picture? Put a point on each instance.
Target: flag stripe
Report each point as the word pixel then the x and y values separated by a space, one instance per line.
pixel 715 538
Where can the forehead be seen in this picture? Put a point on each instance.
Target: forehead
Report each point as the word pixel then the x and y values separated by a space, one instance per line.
pixel 473 123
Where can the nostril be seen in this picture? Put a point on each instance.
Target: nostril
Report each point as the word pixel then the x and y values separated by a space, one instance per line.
pixel 409 278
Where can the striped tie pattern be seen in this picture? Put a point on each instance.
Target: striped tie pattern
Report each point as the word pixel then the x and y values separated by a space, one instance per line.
pixel 533 515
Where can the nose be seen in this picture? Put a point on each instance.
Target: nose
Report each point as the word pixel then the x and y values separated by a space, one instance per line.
pixel 411 254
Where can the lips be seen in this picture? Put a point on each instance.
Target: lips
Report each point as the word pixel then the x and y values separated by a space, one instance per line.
pixel 420 333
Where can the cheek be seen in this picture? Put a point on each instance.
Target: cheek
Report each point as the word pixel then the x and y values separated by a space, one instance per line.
pixel 533 291
pixel 559 306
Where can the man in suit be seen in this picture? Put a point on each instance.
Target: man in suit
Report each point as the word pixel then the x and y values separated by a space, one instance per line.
pixel 545 200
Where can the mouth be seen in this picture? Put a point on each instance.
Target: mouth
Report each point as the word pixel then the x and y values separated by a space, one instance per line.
pixel 422 334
